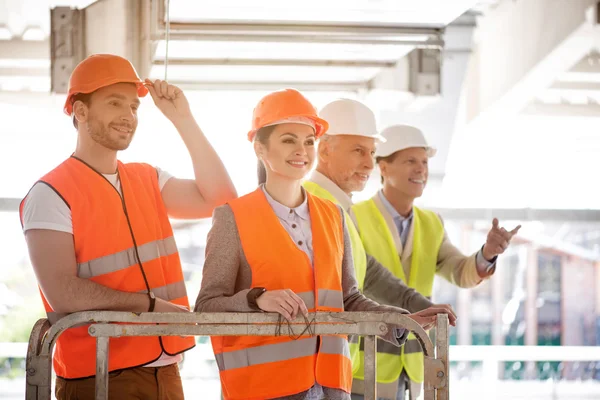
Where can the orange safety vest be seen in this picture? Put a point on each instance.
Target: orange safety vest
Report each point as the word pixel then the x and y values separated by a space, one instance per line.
pixel 124 243
pixel 262 367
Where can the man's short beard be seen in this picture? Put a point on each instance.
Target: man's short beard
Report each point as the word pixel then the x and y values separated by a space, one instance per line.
pixel 100 134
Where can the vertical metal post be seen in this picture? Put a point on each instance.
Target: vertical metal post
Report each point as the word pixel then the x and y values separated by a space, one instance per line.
pixel 38 367
pixel 441 352
pixel 370 367
pixel 428 387
pixel 102 368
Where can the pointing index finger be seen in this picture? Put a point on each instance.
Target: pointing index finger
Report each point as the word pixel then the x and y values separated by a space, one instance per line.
pixel 515 231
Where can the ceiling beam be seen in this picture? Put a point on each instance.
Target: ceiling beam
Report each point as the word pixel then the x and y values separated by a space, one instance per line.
pixel 26 72
pixel 562 110
pixel 24 49
pixel 276 62
pixel 506 85
pixel 589 64
pixel 270 85
pixel 574 89
pixel 281 38
pixel 295 32
pixel 302 29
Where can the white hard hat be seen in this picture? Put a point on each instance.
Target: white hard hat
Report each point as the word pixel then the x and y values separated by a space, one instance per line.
pixel 400 137
pixel 350 117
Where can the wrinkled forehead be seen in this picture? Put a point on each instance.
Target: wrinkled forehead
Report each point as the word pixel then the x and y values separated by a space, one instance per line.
pixel 354 140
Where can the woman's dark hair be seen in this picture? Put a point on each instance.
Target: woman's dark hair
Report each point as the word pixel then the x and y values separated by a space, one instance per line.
pixel 262 136
pixel 86 98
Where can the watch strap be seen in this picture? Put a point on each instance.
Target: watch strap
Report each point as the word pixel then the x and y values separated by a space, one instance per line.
pixel 152 298
pixel 253 296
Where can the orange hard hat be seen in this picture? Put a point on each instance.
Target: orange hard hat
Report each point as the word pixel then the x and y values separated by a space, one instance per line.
pixel 98 71
pixel 282 105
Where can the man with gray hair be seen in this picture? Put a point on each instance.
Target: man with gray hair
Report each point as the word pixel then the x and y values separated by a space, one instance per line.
pixel 346 159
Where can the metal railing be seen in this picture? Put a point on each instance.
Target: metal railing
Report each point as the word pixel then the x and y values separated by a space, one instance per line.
pixel 103 326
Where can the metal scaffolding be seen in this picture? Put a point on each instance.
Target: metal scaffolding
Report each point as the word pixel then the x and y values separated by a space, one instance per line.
pixel 106 324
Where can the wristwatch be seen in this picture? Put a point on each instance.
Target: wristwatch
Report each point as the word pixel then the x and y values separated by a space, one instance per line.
pixel 152 300
pixel 253 295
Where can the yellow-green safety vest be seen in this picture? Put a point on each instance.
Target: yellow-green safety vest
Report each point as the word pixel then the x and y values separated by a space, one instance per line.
pixel 359 256
pixel 379 243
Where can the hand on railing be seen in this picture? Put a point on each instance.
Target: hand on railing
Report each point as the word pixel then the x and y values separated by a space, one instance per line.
pixel 164 306
pixel 427 317
pixel 284 302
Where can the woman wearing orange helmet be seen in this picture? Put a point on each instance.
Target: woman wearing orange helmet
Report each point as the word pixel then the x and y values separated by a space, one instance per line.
pixel 280 249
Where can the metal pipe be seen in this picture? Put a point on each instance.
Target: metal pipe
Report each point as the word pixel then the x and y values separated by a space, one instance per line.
pixel 179 35
pixel 299 28
pixel 276 62
pixel 131 324
pixel 274 85
pixel 38 372
pixel 102 368
pixel 441 353
pixel 113 330
pixel 370 367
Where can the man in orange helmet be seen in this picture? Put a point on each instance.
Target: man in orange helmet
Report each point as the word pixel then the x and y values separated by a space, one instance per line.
pixel 99 236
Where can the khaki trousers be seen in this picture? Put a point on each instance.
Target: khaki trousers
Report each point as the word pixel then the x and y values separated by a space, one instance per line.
pixel 141 383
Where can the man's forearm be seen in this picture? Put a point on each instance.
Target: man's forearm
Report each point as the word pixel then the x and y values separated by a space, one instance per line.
pixel 212 179
pixel 382 286
pixel 84 295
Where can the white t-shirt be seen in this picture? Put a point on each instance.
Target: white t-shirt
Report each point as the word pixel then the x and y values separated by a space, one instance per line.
pixel 44 209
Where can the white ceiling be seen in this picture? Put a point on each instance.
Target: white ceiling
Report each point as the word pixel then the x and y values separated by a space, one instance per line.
pixel 19 15
pixel 26 22
pixel 434 13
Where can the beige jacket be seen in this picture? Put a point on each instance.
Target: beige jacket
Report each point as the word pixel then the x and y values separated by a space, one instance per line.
pixel 452 264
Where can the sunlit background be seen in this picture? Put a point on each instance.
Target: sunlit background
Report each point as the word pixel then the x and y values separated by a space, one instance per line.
pixel 507 90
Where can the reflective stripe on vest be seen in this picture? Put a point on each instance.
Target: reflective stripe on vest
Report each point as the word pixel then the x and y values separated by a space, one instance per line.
pixel 126 258
pixel 379 242
pixel 107 228
pixel 281 352
pixel 253 367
